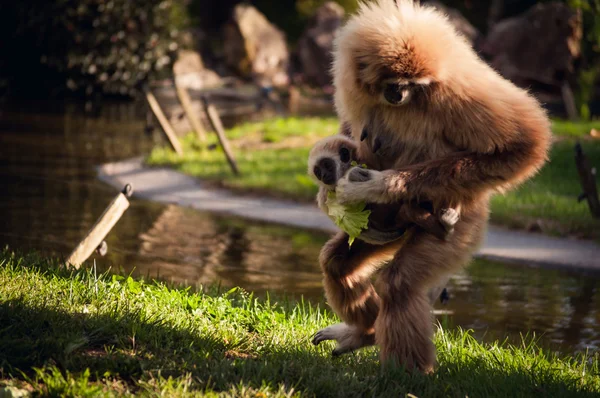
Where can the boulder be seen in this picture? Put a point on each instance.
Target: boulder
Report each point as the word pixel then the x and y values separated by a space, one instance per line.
pixel 461 24
pixel 255 48
pixel 539 45
pixel 316 43
pixel 190 72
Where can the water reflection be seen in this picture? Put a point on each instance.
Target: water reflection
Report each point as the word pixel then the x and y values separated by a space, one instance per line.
pixel 186 246
pixel 499 300
pixel 50 197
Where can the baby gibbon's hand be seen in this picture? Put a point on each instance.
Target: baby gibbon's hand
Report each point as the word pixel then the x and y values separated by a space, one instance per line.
pixel 361 185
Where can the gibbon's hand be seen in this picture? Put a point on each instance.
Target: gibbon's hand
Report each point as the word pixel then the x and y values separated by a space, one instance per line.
pixel 361 185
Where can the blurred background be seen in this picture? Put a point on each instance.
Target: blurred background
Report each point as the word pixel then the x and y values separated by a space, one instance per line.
pixel 111 48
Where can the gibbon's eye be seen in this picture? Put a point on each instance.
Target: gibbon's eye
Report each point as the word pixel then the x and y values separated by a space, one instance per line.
pixel 344 155
pixel 317 172
pixel 393 93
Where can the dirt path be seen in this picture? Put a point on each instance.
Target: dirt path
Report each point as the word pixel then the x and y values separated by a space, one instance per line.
pixel 169 186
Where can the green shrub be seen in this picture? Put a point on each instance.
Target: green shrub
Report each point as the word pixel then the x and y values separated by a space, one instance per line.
pixel 91 45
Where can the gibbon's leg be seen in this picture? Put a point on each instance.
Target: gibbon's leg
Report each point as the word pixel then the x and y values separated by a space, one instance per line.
pixel 404 326
pixel 349 292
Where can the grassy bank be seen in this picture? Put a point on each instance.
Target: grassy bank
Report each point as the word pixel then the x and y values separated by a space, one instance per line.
pixel 81 334
pixel 272 157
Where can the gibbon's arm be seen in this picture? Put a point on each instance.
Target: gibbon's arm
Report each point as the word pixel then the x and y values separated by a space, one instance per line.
pixel 464 174
pixel 498 154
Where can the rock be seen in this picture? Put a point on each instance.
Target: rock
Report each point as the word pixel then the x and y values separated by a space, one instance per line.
pixel 539 45
pixel 13 392
pixel 461 24
pixel 316 43
pixel 255 48
pixel 190 72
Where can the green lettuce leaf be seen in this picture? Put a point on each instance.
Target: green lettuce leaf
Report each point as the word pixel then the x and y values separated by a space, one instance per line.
pixel 352 218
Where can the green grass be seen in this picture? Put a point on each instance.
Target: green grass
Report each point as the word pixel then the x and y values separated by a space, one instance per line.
pixel 272 158
pixel 75 333
pixel 565 128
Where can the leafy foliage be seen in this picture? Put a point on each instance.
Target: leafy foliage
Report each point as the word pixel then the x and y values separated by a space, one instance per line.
pixel 92 45
pixel 352 218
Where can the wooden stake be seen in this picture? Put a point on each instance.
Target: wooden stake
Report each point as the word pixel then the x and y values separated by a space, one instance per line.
pixel 215 121
pixel 186 103
pixel 569 101
pixel 164 122
pixel 94 238
pixel 587 176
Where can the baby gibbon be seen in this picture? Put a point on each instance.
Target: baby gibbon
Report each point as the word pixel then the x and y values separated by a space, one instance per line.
pixel 440 125
pixel 330 159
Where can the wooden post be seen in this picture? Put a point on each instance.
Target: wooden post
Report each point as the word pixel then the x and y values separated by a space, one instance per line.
pixel 587 176
pixel 569 101
pixel 215 121
pixel 164 122
pixel 186 103
pixel 273 97
pixel 95 237
pixel 294 100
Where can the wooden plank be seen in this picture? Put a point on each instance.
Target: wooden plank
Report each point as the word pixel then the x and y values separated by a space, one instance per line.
pixel 215 121
pixel 100 229
pixel 186 103
pixel 164 122
pixel 587 177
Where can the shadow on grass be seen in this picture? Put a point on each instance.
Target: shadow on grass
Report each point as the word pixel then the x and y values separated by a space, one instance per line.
pixel 134 349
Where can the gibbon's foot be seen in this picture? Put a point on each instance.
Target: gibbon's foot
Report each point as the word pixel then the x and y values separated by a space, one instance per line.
pixel 449 217
pixel 359 174
pixel 348 338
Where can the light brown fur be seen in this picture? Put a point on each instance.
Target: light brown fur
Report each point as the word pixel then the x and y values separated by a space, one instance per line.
pixel 459 133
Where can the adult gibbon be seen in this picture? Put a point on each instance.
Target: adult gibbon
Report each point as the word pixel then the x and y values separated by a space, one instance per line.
pixel 441 126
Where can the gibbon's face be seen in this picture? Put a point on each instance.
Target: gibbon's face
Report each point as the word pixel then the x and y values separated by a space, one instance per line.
pixel 392 53
pixel 330 159
pixel 396 80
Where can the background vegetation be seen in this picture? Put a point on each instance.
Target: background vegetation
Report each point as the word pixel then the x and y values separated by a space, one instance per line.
pixel 90 47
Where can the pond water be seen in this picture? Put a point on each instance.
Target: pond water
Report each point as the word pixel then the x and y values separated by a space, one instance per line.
pixel 50 197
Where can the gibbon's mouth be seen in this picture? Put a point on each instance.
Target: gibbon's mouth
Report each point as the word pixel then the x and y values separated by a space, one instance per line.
pixel 396 94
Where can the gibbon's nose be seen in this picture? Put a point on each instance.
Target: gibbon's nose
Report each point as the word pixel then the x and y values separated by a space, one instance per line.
pixel 393 93
pixel 325 171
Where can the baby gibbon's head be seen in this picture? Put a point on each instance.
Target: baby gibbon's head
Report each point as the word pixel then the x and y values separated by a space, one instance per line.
pixel 330 158
pixel 395 53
